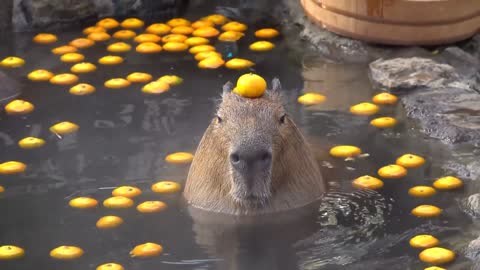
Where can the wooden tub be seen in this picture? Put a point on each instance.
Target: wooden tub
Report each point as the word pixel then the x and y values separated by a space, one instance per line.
pixel 398 22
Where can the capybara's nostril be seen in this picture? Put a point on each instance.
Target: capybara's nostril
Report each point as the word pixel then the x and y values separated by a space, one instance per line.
pixel 266 157
pixel 234 158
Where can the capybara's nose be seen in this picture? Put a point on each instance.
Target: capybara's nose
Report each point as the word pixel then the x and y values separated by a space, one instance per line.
pixel 250 160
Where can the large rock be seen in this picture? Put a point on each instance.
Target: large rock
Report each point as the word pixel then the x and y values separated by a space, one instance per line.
pixel 473 250
pixel 400 74
pixel 9 88
pixel 448 114
pixel 471 206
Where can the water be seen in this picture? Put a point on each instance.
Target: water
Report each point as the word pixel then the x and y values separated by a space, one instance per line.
pixel 124 136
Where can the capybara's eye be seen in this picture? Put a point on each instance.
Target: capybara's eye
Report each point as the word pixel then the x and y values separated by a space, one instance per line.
pixel 283 118
pixel 218 118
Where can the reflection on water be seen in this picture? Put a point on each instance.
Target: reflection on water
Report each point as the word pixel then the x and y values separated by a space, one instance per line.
pixel 125 135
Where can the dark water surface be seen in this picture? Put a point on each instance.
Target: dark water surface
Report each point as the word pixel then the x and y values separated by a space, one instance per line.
pixel 124 136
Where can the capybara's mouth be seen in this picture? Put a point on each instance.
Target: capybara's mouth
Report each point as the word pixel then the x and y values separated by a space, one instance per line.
pixel 251 200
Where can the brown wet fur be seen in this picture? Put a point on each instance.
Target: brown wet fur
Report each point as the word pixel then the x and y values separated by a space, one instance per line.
pixel 295 178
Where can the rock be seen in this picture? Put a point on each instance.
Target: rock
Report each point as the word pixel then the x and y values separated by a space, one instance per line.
pixel 465 64
pixel 405 74
pixel 9 88
pixel 472 251
pixel 449 114
pixel 471 206
pixel 6 16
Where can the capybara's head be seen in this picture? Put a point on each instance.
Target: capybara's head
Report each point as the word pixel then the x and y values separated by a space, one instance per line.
pixel 252 159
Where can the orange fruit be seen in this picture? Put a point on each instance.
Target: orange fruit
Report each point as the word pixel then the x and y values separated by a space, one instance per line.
pixel 174 38
pixel 64 79
pixel 436 255
pixel 148 47
pixel 118 202
pixel 434 268
pixel 195 41
pixel 345 151
pixel 9 252
pixel 410 161
pixel 204 55
pixel 72 57
pixel 206 32
pixel 426 211
pixel 64 49
pixel 99 36
pixel 171 80
pixel 175 22
pixel 311 99
pixel 119 47
pixel 383 122
pixel 262 46
pixel 367 182
pixel 392 171
pixel 31 143
pixel 2 189
pixel 230 36
pixel 40 75
pixel 151 207
pixel 158 29
pixel 266 33
pixel 66 253
pixel 63 128
pixel 127 191
pixel 234 26
pixel 175 47
pixel 364 108
pixel 139 77
pixel 108 23
pixel 44 38
pixel 117 83
pixel 423 241
pixel 110 266
pixel 202 23
pixel 384 99
pixel 422 191
pixel 132 23
pixel 12 62
pixel 211 62
pixel 238 63
pixel 19 107
pixel 179 158
pixel 110 60
pixel 12 167
pixel 216 19
pixel 448 183
pixel 147 38
pixel 82 43
pixel 166 187
pixel 201 48
pixel 124 34
pixel 83 203
pixel 83 68
pixel 146 250
pixel 182 30
pixel 82 89
pixel 108 222
pixel 250 85
pixel 94 29
pixel 156 87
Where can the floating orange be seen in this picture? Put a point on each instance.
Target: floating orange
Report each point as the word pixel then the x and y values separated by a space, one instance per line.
pixel 119 47
pixel 110 266
pixel 266 33
pixel 2 189
pixel 31 143
pixel 364 108
pixel 158 29
pixel 345 151
pixel 436 255
pixel 151 207
pixel 230 36
pixel 148 47
pixel 202 23
pixel 108 23
pixel 311 99
pixel 82 89
pixel 110 60
pixel 201 48
pixel 147 38
pixel 63 128
pixel 72 57
pixel 216 19
pixel 82 43
pixel 448 183
pixel 146 250
pixel 422 191
pixel 175 47
pixel 99 36
pixel 203 55
pixel 392 171
pixel 83 203
pixel 132 23
pixel 426 211
pixel 206 32
pixel 174 38
pixel 434 268
pixel 108 222
pixel 175 22
pixel 238 63
pixel 12 167
pixel 171 80
pixel 94 29
pixel 66 253
pixel 12 62
pixel 139 77
pixel 127 191
pixel 367 182
pixel 117 83
pixel 118 202
pixel 45 38
pixel 19 107
pixel 64 79
pixel 156 87
pixel 195 41
pixel 262 46
pixel 234 26
pixel 410 161
pixel 423 241
pixel 124 34
pixel 84 67
pixel 64 49
pixel 383 122
pixel 40 75
pixel 166 187
pixel 250 85
pixel 9 252
pixel 179 158
pixel 211 62
pixel 182 30
pixel 384 99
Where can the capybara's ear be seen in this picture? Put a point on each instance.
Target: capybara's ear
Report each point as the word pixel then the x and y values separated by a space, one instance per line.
pixel 276 85
pixel 227 87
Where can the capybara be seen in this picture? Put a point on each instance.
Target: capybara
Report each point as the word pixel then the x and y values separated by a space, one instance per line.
pixel 253 159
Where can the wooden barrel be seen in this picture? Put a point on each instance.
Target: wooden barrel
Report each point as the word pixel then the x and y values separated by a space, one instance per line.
pixel 398 22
